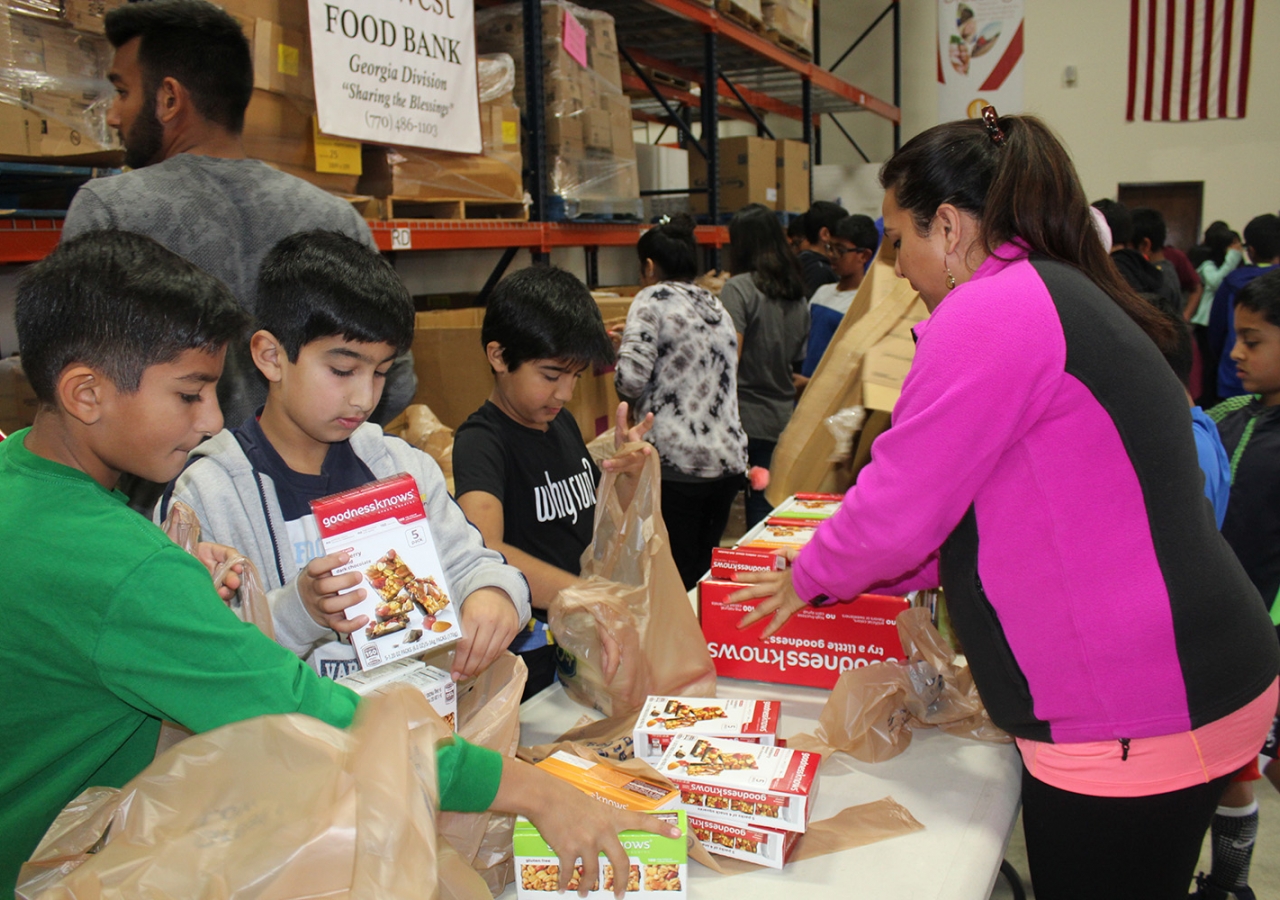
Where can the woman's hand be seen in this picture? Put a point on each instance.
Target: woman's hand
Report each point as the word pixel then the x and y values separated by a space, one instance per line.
pixel 779 592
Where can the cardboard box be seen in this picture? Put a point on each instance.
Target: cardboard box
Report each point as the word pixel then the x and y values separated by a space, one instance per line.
pixel 725 561
pixel 751 785
pixel 815 507
pixel 793 176
pixel 664 718
pixel 596 129
pixel 748 174
pixel 817 645
pixel 609 785
pixel 88 15
pixel 762 846
pixel 282 59
pixel 782 534
pixel 791 18
pixel 658 865
pixel 383 527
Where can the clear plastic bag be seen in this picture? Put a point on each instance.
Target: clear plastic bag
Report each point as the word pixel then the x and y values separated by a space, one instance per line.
pixel 844 426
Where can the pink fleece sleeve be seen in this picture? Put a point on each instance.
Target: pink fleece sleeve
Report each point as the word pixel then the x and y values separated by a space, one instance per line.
pixel 986 366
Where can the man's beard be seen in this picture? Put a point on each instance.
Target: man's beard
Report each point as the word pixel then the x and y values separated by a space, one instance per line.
pixel 144 142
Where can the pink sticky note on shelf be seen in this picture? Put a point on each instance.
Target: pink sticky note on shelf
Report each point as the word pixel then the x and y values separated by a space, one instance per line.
pixel 575 39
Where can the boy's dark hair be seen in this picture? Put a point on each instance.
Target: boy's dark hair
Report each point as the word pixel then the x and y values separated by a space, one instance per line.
pixel 199 45
pixel 1148 223
pixel 672 248
pixel 795 228
pixel 757 245
pixel 1119 220
pixel 858 230
pixel 822 214
pixel 1262 237
pixel 545 313
pixel 120 303
pixel 318 284
pixel 1262 295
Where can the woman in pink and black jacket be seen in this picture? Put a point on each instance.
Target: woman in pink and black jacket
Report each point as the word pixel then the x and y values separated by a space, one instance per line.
pixel 1041 468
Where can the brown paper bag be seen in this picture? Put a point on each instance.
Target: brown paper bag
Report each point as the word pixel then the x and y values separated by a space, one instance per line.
pixel 422 428
pixel 270 807
pixel 489 716
pixel 872 711
pixel 633 593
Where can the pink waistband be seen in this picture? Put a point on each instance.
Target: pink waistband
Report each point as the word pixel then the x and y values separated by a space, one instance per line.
pixel 1155 765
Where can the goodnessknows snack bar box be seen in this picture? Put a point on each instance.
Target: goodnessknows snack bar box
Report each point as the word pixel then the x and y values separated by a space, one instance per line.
pixel 383 527
pixel 609 785
pixel 662 718
pixel 658 865
pixel 815 647
pixel 743 784
pixel 762 846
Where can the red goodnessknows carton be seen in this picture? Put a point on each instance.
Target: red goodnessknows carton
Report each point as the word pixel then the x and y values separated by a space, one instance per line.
pixel 662 718
pixel 763 846
pixel 813 648
pixel 727 560
pixel 749 785
pixel 383 527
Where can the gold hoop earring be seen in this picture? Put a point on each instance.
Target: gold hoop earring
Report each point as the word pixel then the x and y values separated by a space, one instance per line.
pixel 951 279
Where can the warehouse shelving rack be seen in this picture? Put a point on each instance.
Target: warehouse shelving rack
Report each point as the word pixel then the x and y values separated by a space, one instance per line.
pixel 741 73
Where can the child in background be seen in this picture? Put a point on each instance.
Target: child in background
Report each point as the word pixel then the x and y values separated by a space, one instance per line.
pixel 1250 429
pixel 678 360
pixel 853 244
pixel 521 470
pixel 332 316
pixel 1262 241
pixel 123 342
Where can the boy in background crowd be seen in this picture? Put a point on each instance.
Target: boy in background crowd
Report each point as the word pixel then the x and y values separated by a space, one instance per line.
pixel 853 245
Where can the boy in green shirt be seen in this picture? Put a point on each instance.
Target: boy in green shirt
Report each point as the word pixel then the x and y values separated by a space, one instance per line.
pixel 109 626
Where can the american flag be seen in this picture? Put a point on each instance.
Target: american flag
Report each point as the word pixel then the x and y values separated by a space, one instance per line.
pixel 1189 59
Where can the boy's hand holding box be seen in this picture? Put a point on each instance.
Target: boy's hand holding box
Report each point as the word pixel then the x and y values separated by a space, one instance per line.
pixel 383 527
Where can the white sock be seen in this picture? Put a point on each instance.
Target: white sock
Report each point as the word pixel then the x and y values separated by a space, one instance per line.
pixel 1236 812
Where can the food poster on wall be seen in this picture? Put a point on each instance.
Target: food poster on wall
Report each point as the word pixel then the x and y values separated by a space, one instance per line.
pixel 979 57
pixel 397 73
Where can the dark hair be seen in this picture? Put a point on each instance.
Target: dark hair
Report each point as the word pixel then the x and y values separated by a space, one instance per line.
pixel 1148 223
pixel 795 228
pixel 545 313
pixel 1178 354
pixel 858 230
pixel 1262 295
pixel 199 45
pixel 1025 187
pixel 118 302
pixel 1262 237
pixel 1218 238
pixel 822 214
pixel 318 284
pixel 757 245
pixel 672 248
pixel 1119 220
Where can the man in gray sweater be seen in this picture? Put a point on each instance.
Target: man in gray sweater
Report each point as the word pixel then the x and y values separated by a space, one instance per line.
pixel 183 76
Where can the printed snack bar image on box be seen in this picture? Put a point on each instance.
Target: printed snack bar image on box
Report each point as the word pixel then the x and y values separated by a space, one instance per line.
pixel 383 527
pixel 727 560
pixel 762 846
pixel 609 785
pixel 658 865
pixel 782 534
pixel 818 644
pixel 809 506
pixel 661 718
pixel 743 784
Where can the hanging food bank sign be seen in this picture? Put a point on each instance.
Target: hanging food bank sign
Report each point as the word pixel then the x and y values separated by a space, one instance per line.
pixel 397 72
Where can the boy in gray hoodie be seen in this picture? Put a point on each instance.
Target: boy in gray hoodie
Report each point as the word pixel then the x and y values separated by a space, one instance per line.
pixel 332 317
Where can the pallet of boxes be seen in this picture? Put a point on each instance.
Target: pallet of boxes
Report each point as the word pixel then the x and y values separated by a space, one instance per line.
pixel 789 24
pixel 591 156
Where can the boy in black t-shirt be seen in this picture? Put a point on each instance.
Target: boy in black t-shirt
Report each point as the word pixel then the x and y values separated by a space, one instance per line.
pixel 522 471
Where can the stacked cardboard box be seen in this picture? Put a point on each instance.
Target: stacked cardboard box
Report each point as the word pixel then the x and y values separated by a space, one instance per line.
pixel 494 174
pixel 54 88
pixel 793 19
pixel 591 152
pixel 774 174
pixel 82 15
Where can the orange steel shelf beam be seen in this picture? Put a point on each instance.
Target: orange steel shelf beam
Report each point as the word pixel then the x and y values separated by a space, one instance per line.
pixel 28 240
pixel 634 83
pixel 760 101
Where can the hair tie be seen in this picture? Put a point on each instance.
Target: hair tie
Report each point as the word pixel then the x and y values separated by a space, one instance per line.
pixel 991 119
pixel 665 220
